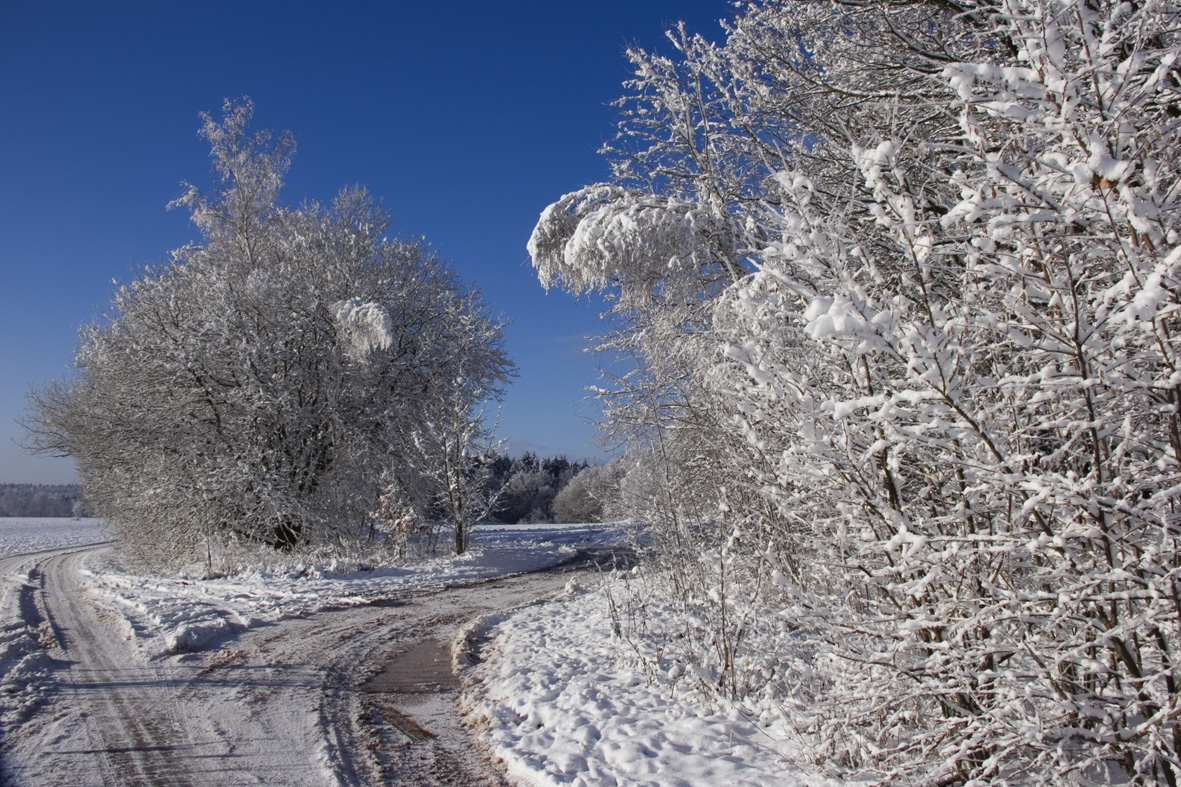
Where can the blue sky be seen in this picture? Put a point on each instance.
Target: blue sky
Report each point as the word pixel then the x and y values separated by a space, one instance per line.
pixel 465 118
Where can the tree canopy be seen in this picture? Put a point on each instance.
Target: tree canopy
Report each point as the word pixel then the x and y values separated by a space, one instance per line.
pixel 274 381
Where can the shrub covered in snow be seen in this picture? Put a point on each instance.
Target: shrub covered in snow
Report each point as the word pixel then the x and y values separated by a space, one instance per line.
pixel 900 283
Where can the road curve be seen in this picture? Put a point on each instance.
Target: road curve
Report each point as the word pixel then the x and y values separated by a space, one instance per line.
pixel 356 696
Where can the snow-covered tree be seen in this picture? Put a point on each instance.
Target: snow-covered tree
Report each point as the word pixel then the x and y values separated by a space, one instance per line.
pixel 268 383
pixel 454 445
pixel 591 495
pixel 933 289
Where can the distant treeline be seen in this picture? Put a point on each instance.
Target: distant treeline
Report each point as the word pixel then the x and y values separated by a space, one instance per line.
pixel 531 486
pixel 37 500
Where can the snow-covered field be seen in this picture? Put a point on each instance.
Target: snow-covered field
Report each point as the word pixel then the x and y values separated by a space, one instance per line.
pixel 552 693
pixel 20 536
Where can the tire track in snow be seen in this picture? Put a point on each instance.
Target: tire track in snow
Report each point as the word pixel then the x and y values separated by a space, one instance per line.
pixel 354 696
pixel 133 733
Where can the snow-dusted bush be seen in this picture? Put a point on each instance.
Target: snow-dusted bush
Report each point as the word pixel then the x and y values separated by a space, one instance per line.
pixel 926 404
pixel 270 383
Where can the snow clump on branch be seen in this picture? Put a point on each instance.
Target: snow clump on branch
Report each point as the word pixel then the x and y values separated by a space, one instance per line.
pixel 364 327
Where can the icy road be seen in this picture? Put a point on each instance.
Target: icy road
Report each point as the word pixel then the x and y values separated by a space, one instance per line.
pixel 362 693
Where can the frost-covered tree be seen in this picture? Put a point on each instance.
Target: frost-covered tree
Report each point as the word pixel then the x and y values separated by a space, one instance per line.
pixel 591 495
pixel 454 445
pixel 531 485
pixel 933 289
pixel 268 383
pixel 40 500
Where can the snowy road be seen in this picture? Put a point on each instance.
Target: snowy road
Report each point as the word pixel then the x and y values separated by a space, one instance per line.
pixel 357 695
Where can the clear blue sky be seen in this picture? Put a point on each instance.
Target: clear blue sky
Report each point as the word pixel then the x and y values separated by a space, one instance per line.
pixel 465 118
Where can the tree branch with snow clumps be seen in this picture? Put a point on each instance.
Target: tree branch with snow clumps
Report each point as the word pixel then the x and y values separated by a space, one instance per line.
pixel 933 428
pixel 365 327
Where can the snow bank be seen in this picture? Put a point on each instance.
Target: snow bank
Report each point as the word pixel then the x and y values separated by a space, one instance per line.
pixel 20 536
pixel 553 700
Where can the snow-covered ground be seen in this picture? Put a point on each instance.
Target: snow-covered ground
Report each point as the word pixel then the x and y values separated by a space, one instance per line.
pixel 168 615
pixel 552 694
pixel 20 536
pixel 555 700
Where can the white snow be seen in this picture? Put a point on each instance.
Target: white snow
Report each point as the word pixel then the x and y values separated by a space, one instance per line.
pixel 365 326
pixel 556 702
pixel 19 536
pixel 167 615
pixel 24 663
pixel 553 693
